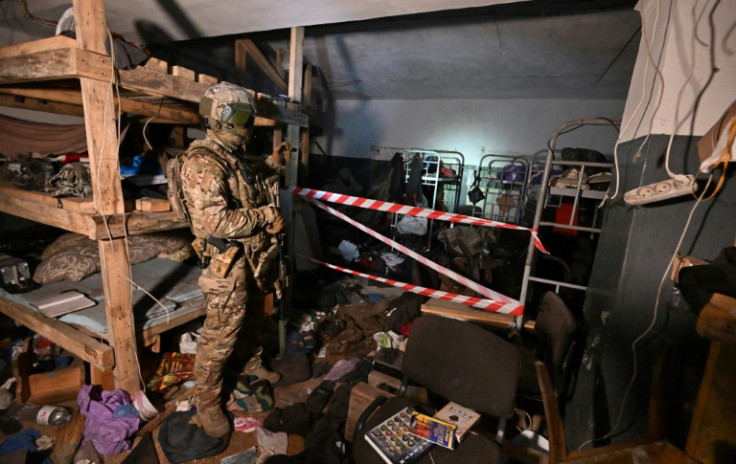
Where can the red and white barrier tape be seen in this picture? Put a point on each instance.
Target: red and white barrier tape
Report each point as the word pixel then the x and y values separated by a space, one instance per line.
pixel 389 207
pixel 486 292
pixel 480 303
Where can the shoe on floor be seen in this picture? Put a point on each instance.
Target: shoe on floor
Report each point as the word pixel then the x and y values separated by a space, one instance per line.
pixel 255 367
pixel 318 398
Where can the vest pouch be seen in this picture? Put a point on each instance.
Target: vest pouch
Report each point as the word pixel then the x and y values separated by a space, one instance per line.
pixel 266 272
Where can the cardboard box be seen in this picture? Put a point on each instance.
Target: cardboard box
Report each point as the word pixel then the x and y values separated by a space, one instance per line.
pixel 707 143
pixel 463 418
pixel 435 430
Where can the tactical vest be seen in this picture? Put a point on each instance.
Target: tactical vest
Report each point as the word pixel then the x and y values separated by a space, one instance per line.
pixel 244 182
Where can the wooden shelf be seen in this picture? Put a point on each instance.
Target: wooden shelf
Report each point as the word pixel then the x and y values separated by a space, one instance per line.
pixel 46 70
pixel 80 215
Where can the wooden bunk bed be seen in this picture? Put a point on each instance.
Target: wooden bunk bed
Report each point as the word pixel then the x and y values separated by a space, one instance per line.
pixel 76 76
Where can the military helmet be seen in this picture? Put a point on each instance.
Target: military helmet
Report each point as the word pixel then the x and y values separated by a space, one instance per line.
pixel 227 103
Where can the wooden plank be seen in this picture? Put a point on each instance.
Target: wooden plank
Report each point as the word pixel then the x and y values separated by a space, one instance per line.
pixel 35 104
pixel 713 427
pixel 71 63
pixel 717 319
pixel 250 48
pixel 464 313
pixel 63 219
pixel 164 112
pixel 296 61
pixel 102 146
pixel 58 385
pixel 157 65
pixel 138 222
pixel 184 73
pixel 305 143
pixel 103 378
pixel 161 323
pixel 206 79
pixel 119 311
pixel 44 65
pixel 152 204
pixel 36 46
pixel 155 83
pixel 84 347
pixel 78 205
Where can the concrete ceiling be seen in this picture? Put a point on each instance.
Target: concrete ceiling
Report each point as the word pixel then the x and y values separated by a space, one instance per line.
pixel 390 49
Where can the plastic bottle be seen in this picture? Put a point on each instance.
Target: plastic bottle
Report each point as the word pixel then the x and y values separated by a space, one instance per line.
pixel 53 415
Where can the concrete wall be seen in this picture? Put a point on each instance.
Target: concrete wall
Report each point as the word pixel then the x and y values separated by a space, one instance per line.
pixel 472 127
pixel 633 308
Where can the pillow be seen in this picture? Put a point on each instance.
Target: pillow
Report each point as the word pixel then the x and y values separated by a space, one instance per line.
pixel 74 257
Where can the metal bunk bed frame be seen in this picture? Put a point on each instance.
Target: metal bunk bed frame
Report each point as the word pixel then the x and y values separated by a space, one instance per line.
pixel 545 190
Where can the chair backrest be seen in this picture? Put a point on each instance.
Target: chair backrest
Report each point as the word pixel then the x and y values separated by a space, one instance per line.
pixel 463 362
pixel 555 326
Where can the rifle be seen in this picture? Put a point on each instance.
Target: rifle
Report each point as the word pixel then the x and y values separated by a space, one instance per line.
pixel 281 284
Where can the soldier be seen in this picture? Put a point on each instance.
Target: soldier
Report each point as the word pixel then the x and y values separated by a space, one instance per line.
pixel 232 222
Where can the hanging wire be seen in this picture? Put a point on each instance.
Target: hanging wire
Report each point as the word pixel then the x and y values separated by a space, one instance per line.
pixel 31 17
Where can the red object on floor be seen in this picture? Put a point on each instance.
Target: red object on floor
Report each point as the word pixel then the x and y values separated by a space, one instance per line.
pixel 563 215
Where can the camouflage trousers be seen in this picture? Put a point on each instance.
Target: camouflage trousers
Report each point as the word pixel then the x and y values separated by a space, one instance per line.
pixel 226 299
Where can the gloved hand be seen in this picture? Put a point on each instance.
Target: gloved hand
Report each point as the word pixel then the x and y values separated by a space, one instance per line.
pixel 276 226
pixel 283 151
pixel 280 156
pixel 272 219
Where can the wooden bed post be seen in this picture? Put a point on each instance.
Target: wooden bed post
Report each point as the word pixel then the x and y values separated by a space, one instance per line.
pixel 100 117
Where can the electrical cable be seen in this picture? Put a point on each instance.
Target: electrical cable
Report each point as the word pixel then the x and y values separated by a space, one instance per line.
pixel 650 59
pixel 676 124
pixel 31 17
pixel 145 126
pixel 113 84
pixel 614 432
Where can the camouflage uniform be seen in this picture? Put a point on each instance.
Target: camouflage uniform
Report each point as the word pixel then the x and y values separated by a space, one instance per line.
pixel 225 199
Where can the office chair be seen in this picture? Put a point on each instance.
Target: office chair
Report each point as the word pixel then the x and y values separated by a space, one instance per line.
pixel 457 361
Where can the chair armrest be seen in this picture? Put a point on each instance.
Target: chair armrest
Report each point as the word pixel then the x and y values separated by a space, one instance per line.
pixel 375 404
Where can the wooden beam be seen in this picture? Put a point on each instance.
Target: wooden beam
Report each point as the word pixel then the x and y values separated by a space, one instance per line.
pixel 712 427
pixel 61 218
pixel 43 65
pixel 102 146
pixel 296 61
pixel 464 313
pixel 75 204
pixel 162 112
pixel 246 47
pixel 157 65
pixel 36 104
pixel 184 73
pixel 304 150
pixel 137 222
pixel 28 48
pixel 82 346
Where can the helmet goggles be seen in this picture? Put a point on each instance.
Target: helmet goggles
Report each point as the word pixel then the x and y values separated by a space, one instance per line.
pixel 234 113
pixel 237 114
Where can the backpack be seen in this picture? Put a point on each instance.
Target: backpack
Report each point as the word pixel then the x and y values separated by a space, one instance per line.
pixel 171 160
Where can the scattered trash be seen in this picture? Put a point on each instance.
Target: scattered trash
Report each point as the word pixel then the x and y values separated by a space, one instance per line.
pixel 391 259
pixel 349 251
pixel 244 457
pixel 146 410
pixel 52 415
pixel 246 424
